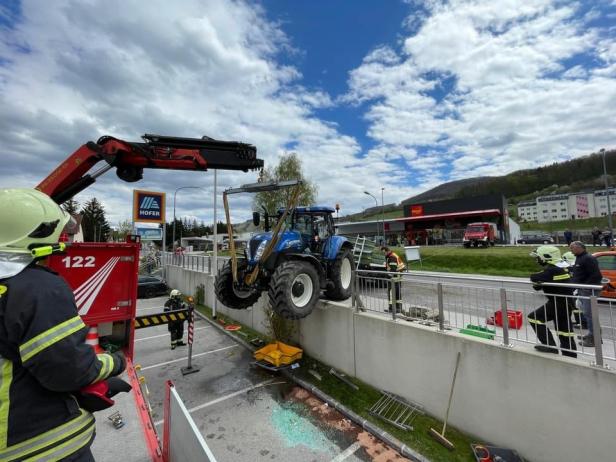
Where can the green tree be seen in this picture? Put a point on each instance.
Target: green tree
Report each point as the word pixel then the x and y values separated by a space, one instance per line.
pixel 94 224
pixel 289 168
pixel 71 206
pixel 124 229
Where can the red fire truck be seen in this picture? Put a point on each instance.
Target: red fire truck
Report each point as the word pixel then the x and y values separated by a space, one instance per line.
pixel 479 234
pixel 103 276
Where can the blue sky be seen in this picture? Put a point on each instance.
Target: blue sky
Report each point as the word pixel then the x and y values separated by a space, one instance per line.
pixel 404 95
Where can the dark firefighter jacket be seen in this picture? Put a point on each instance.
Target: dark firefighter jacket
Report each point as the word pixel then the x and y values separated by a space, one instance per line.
pixel 174 304
pixel 554 274
pixel 43 358
pixel 586 270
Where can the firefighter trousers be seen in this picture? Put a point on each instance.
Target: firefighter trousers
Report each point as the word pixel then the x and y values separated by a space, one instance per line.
pixel 557 310
pixel 176 329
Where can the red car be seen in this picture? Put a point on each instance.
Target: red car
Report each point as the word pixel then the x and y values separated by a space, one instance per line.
pixel 607 265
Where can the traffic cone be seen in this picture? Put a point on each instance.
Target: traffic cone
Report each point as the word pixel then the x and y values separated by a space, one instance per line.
pixel 92 339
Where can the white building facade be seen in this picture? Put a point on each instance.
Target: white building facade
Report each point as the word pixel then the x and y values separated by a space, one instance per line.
pixel 560 207
pixel 527 210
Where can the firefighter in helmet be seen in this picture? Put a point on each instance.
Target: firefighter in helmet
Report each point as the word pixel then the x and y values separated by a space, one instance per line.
pixel 557 306
pixel 176 328
pixel 395 265
pixel 44 360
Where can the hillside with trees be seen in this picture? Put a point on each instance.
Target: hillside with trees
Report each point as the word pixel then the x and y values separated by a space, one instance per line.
pixel 579 174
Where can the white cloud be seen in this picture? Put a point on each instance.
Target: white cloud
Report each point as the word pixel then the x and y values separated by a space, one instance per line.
pixel 489 85
pixel 72 71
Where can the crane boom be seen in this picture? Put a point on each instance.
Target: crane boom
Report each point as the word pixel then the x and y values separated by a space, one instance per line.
pixel 156 151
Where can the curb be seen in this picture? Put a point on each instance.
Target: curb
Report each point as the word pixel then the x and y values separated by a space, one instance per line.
pixel 371 428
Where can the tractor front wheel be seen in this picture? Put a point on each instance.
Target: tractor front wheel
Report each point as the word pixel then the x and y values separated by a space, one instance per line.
pixel 341 276
pixel 294 289
pixel 228 294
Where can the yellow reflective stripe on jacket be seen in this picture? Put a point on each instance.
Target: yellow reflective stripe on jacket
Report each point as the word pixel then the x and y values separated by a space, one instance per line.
pixel 64 450
pixel 49 337
pixel 106 367
pixel 73 429
pixel 535 321
pixel 6 377
pixel 3 290
pixel 561 277
pixel 565 334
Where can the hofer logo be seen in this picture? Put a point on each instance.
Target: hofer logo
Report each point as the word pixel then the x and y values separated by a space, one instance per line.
pixel 148 206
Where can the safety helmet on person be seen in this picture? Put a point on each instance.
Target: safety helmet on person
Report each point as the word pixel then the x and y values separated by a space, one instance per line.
pixel 175 293
pixel 546 254
pixel 569 258
pixel 29 219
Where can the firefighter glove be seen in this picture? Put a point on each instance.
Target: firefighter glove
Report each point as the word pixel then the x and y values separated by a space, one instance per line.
pixel 119 364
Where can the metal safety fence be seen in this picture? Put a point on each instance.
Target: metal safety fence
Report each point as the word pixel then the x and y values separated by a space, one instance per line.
pixel 201 263
pixel 510 313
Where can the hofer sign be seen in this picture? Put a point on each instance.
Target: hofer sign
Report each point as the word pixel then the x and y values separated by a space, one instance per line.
pixel 148 206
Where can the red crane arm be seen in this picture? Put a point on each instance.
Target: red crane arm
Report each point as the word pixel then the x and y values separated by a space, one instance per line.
pixel 130 158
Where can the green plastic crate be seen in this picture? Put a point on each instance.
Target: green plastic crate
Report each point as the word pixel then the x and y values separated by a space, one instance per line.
pixel 478 331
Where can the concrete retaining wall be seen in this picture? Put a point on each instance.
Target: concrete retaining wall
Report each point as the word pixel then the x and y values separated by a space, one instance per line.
pixel 548 408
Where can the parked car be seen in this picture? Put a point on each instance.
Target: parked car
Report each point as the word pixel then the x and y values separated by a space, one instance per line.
pixel 607 265
pixel 536 239
pixel 150 286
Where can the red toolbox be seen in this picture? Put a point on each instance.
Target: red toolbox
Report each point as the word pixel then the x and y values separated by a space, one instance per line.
pixel 514 319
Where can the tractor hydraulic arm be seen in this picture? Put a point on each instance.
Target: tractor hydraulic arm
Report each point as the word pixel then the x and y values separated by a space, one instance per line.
pixel 130 158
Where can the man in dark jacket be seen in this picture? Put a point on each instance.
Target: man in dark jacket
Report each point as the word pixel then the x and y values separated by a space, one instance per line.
pixel 585 271
pixel 556 308
pixel 44 360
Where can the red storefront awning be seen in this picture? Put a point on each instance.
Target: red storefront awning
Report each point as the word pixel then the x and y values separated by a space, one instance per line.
pixel 472 213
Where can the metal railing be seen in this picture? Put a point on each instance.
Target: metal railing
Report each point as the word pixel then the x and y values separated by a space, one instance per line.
pixel 200 263
pixel 510 313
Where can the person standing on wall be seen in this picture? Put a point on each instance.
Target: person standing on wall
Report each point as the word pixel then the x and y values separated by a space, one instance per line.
pixel 395 265
pixel 556 309
pixel 585 271
pixel 176 328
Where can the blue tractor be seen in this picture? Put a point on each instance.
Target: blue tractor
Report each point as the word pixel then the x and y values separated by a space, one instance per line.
pixel 296 260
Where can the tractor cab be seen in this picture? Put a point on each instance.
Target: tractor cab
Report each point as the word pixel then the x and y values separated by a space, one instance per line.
pixel 314 225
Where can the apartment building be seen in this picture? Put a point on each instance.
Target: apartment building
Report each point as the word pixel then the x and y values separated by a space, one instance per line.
pixel 527 210
pixel 559 207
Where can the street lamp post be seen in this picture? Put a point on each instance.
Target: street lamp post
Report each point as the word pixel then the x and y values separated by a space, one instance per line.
pixel 174 196
pixel 376 203
pixel 383 214
pixel 607 193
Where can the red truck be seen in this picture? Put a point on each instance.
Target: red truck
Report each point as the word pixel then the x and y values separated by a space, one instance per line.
pixel 477 234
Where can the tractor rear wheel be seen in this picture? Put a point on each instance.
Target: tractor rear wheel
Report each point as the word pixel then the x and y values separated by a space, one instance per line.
pixel 228 294
pixel 294 289
pixel 341 276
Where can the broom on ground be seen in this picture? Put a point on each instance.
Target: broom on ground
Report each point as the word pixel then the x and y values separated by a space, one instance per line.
pixel 440 437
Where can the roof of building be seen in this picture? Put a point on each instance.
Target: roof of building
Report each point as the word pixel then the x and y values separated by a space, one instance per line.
pixel 472 213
